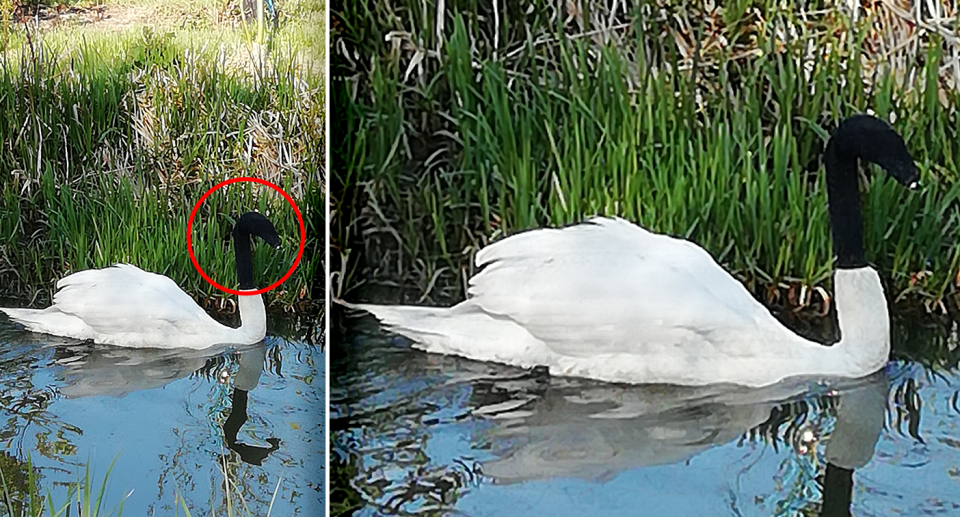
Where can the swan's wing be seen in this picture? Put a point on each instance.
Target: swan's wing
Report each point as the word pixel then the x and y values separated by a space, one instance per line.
pixel 122 297
pixel 610 287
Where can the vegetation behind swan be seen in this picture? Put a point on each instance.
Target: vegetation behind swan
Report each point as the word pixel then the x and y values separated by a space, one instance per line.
pixel 718 146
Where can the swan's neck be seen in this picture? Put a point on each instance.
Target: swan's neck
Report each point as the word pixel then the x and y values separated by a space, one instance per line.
pixel 244 259
pixel 843 202
pixel 253 318
pixel 864 345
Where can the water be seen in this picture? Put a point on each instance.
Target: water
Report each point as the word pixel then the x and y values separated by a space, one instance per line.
pixel 415 433
pixel 174 424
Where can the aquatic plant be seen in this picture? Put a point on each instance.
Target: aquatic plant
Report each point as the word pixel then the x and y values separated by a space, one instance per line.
pixel 89 498
pixel 469 123
pixel 83 494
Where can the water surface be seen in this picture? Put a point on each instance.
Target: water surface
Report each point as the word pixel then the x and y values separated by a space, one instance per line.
pixel 415 433
pixel 244 424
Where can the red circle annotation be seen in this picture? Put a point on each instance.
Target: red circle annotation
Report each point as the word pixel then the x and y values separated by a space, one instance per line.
pixel 303 236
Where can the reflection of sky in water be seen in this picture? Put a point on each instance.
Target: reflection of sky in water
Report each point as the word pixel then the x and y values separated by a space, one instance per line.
pixel 165 433
pixel 420 427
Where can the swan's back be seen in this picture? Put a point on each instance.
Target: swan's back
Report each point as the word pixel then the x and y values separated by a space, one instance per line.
pixel 607 286
pixel 611 301
pixel 98 294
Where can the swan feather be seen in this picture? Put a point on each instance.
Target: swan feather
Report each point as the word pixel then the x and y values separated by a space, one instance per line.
pixel 603 283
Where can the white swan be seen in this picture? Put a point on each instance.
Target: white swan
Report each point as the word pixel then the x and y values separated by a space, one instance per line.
pixel 608 300
pixel 126 306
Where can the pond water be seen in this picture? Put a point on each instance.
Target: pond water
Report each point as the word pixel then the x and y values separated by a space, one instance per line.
pixel 415 433
pixel 205 426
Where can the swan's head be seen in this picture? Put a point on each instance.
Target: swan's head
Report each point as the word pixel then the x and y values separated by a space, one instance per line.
pixel 254 223
pixel 870 139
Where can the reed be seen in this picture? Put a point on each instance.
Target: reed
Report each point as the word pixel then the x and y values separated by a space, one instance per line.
pixel 110 137
pixel 500 121
pixel 22 496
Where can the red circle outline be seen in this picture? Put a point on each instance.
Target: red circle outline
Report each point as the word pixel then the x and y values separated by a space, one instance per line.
pixel 303 236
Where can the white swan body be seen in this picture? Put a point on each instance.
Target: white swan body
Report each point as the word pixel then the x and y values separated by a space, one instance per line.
pixel 126 306
pixel 611 301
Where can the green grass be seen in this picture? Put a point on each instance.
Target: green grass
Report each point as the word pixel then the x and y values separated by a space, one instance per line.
pixel 233 502
pixel 90 498
pixel 110 137
pixel 25 499
pixel 539 123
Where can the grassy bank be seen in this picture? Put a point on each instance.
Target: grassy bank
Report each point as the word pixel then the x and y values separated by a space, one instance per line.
pixel 112 133
pixel 476 122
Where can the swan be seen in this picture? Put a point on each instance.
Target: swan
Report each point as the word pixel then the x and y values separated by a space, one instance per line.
pixel 124 305
pixel 608 300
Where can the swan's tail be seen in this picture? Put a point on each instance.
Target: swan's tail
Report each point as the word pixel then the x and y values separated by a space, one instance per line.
pixel 464 330
pixel 48 321
pixel 423 325
pixel 27 317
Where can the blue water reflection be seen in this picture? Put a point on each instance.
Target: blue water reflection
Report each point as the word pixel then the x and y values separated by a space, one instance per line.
pixel 420 433
pixel 244 424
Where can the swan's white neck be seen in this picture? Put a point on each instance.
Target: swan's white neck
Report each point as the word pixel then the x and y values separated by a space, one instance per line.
pixel 860 419
pixel 253 318
pixel 864 345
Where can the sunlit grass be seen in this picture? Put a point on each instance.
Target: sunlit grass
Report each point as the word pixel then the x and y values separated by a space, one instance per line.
pixel 86 495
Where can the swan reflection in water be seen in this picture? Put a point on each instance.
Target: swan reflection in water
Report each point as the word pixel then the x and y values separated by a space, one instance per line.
pixel 565 428
pixel 103 370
